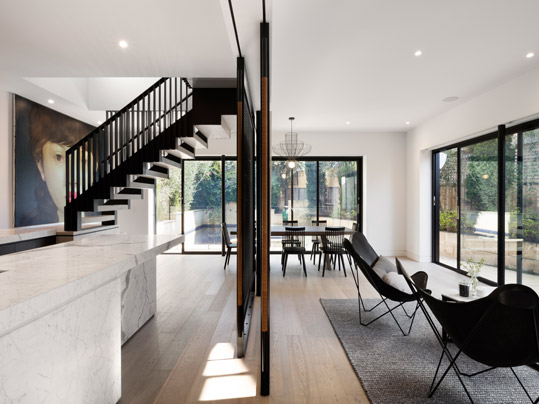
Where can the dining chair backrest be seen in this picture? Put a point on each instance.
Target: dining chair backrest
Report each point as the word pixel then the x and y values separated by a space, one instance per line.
pixel 295 236
pixel 226 235
pixel 333 238
pixel 290 222
pixel 355 227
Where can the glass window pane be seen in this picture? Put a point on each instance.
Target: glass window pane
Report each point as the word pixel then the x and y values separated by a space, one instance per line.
pixel 338 192
pixel 522 209
pixel 478 210
pixel 169 203
pixel 231 206
pixel 448 199
pixel 280 197
pixel 202 201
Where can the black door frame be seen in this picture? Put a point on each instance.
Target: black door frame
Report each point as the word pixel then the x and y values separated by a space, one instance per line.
pixel 501 135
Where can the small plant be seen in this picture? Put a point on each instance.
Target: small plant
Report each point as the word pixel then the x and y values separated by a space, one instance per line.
pixel 472 270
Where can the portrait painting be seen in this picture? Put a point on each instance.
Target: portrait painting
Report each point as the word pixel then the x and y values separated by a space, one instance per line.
pixel 41 138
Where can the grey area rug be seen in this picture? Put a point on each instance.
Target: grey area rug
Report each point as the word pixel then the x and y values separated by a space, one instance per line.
pixel 396 369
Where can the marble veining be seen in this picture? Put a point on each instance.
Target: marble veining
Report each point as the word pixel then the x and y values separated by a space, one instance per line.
pixel 70 355
pixel 39 280
pixel 139 297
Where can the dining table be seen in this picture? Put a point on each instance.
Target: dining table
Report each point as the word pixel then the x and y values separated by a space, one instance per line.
pixel 309 230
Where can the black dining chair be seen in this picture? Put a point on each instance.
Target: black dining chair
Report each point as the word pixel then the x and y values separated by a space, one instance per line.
pixel 296 245
pixel 315 250
pixel 333 248
pixel 229 245
pixel 284 241
pixel 499 330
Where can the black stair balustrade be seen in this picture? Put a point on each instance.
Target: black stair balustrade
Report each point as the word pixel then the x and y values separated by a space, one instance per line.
pixel 149 129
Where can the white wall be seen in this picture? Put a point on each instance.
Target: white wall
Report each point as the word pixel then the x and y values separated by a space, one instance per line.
pixel 139 219
pixel 515 100
pixel 384 193
pixel 6 171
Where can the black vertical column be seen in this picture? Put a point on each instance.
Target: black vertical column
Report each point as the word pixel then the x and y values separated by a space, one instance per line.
pixel 265 190
pixel 501 205
pixel 258 204
pixel 246 206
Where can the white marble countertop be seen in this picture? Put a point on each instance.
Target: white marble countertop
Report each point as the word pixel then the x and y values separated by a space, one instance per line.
pixel 40 280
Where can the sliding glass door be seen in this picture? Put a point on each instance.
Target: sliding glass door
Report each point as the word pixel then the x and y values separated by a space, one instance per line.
pixel 478 206
pixel 448 197
pixel 202 205
pixel 477 217
pixel 312 189
pixel 522 208
pixel 315 188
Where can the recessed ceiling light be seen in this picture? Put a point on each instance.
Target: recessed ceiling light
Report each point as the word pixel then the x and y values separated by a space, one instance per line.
pixel 450 99
pixel 123 44
pixel 418 53
pixel 530 55
pixel 348 123
pixel 407 122
pixel 50 101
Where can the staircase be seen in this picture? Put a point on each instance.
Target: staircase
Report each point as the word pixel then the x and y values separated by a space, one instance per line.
pixel 111 166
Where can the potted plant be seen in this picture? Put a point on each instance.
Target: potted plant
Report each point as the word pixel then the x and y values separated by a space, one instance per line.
pixel 472 270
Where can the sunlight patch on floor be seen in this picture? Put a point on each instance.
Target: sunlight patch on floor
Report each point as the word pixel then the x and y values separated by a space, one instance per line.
pixel 226 376
pixel 221 350
pixel 227 387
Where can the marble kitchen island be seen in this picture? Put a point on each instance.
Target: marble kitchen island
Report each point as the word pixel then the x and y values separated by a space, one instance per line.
pixel 65 311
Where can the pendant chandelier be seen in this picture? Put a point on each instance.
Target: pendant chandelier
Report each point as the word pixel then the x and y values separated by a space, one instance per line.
pixel 292 147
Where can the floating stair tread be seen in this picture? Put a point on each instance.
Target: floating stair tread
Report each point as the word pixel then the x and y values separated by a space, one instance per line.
pixel 170 160
pixel 128 193
pixel 98 218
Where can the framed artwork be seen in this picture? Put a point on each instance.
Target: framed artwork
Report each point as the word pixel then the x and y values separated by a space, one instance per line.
pixel 41 138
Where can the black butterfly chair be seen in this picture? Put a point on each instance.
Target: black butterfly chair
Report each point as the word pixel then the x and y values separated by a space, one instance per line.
pixel 229 245
pixel 365 258
pixel 499 330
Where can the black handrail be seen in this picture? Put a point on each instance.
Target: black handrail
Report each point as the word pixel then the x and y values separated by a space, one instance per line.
pixel 125 133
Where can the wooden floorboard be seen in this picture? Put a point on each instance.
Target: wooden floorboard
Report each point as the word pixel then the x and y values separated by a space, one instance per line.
pixel 186 352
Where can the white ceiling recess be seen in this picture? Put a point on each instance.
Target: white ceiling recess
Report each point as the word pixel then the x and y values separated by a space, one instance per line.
pixel 353 61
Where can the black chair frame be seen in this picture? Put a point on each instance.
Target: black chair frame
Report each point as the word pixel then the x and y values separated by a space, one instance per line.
pixel 386 292
pixel 315 250
pixel 229 245
pixel 333 249
pixel 488 305
pixel 295 237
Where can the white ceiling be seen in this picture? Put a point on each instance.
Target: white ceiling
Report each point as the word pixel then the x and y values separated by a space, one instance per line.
pixel 332 62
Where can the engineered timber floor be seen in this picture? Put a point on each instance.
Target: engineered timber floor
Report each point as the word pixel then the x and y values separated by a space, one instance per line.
pixel 186 352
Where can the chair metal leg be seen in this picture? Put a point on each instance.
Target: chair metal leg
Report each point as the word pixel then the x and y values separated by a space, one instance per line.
pixel 285 258
pixel 227 257
pixel 304 269
pixel 343 265
pixel 524 388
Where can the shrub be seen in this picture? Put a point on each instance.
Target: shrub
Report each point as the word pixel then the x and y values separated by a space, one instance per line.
pixel 448 221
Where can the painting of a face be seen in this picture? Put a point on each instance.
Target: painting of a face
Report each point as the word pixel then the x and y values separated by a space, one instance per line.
pixel 42 137
pixel 53 173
